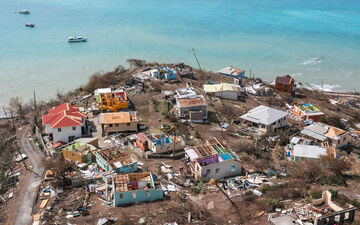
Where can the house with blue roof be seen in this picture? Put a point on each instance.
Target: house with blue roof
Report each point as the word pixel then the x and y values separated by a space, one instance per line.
pixel 231 71
pixel 115 160
pixel 212 160
pixel 163 73
pixel 160 143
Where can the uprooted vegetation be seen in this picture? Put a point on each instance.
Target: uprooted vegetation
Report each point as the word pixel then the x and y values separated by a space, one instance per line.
pixel 327 170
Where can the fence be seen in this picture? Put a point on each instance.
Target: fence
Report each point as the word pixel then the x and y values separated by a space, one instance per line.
pixel 41 140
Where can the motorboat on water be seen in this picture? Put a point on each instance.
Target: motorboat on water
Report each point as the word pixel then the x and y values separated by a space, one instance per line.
pixel 24 11
pixel 77 39
pixel 29 25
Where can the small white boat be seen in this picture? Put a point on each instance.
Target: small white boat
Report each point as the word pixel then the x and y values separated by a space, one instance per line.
pixel 24 11
pixel 77 39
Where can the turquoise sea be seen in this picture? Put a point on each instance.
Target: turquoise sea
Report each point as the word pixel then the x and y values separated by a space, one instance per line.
pixel 313 40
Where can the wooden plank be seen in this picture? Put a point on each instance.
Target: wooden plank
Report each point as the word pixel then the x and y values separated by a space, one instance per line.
pixel 43 203
pixel 36 217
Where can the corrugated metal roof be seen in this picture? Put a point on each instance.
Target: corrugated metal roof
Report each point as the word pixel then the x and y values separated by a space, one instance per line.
pixel 312 134
pixel 231 71
pixel 211 88
pixel 309 151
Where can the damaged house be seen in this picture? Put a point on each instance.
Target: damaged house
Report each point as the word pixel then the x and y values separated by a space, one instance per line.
pixel 190 105
pixel 163 73
pixel 113 101
pixel 118 122
pixel 134 187
pixel 100 91
pixel 327 136
pixel 158 143
pixel 231 71
pixel 212 160
pixel 78 152
pixel 115 160
pixel 285 84
pixel 307 111
pixel 224 90
pixel 265 119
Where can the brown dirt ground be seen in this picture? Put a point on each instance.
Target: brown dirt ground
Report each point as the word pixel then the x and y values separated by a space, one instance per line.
pixel 10 208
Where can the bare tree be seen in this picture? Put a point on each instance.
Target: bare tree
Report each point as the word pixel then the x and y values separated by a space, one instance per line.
pixel 60 168
pixel 135 63
pixel 16 103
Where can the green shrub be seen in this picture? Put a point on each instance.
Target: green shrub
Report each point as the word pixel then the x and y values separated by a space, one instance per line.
pixel 156 104
pixel 316 194
pixel 334 193
pixel 165 109
pixel 248 193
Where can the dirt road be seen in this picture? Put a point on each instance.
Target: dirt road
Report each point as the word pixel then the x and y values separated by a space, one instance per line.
pixel 23 216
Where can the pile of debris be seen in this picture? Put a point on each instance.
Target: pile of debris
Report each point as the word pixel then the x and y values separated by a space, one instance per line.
pixel 258 88
pixel 248 182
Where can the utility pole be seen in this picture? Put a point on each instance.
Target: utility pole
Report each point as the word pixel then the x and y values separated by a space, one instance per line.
pixel 12 119
pixel 5 112
pixel 35 101
pixel 22 158
pixel 193 50
pixel 322 85
pixel 35 110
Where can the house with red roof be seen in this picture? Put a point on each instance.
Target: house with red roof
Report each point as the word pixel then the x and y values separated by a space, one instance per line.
pixel 64 123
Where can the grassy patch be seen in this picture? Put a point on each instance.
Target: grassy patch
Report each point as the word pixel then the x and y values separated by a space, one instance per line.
pixel 156 105
pixel 165 109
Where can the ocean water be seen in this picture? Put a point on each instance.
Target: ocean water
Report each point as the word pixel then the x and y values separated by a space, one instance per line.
pixel 313 40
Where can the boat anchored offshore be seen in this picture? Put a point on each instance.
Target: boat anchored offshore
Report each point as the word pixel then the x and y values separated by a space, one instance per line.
pixel 24 11
pixel 29 25
pixel 77 39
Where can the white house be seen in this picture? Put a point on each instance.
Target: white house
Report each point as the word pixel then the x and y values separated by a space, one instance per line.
pixel 64 123
pixel 265 119
pixel 327 135
pixel 310 152
pixel 223 90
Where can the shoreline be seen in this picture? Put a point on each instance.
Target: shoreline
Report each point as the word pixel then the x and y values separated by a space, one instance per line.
pixel 40 98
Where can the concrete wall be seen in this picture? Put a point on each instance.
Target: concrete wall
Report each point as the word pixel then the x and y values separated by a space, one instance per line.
pixel 116 128
pixel 76 156
pixel 344 140
pixel 184 112
pixel 220 170
pixel 102 162
pixel 130 168
pixel 140 196
pixel 64 134
pixel 164 147
pixel 233 95
pixel 265 128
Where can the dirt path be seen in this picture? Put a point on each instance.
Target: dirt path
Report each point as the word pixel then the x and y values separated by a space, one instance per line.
pixel 23 216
